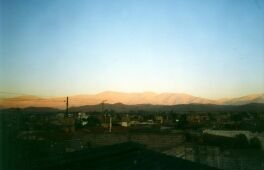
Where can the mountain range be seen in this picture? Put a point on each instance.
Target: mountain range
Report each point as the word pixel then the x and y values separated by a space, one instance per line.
pixel 111 97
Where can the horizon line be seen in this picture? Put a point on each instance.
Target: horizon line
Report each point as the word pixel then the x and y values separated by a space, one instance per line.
pixel 18 94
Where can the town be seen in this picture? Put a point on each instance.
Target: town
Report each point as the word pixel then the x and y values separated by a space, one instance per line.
pixel 220 138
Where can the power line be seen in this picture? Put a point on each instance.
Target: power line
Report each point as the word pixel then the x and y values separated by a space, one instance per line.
pixel 35 100
pixel 18 93
pixel 42 99
pixel 4 92
pixel 21 99
pixel 39 99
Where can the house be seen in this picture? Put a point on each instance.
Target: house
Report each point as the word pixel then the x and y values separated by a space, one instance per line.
pixel 159 119
pixel 125 121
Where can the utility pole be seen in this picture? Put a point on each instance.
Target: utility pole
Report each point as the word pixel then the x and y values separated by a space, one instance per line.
pixel 110 124
pixel 127 119
pixel 67 106
pixel 103 110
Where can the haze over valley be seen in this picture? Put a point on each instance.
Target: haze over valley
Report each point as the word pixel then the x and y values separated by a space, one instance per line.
pixel 112 97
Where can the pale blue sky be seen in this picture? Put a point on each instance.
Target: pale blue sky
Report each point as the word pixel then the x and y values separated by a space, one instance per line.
pixel 208 48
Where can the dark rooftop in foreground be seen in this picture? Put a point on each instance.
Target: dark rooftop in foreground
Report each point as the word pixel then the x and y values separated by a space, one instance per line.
pixel 127 156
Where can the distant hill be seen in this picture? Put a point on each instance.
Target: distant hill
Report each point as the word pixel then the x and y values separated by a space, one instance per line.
pixel 254 98
pixel 125 98
pixel 183 108
pixel 35 110
pixel 147 108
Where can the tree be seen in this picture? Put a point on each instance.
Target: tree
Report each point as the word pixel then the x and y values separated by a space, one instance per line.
pixel 93 122
pixel 241 141
pixel 183 121
pixel 255 143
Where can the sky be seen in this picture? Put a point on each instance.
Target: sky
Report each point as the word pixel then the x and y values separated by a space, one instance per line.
pixel 207 48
